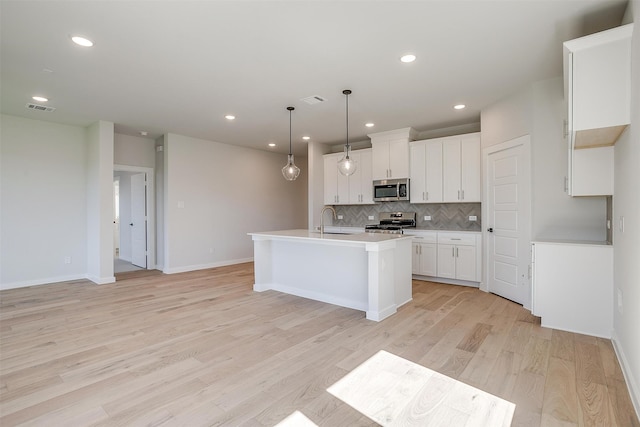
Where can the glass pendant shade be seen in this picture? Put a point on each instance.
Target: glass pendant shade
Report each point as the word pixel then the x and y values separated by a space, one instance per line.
pixel 347 166
pixel 290 171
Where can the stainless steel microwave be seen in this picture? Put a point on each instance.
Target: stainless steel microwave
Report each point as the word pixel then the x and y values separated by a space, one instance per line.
pixel 391 190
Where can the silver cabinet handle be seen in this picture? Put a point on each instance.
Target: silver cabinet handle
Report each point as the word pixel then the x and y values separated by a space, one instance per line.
pixel 457 255
pixel 427 196
pixel 453 252
pixel 458 194
pixel 423 196
pixel 462 194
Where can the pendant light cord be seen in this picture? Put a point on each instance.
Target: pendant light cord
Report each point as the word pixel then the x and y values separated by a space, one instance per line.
pixel 289 132
pixel 348 123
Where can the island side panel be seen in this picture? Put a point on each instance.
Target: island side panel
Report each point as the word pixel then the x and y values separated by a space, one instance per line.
pixel 382 302
pixel 262 264
pixel 329 273
pixel 402 270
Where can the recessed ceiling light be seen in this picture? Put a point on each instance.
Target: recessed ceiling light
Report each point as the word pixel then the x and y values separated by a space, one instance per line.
pixel 39 98
pixel 369 125
pixel 82 41
pixel 408 57
pixel 230 117
pixel 144 133
pixel 306 138
pixel 459 106
pixel 271 144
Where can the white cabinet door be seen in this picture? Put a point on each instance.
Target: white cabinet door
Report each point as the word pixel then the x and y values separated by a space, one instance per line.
pixel 366 178
pixel 433 173
pixel 360 183
pixel 336 185
pixel 466 263
pixel 330 180
pixel 451 169
pixel 461 168
pixel 470 168
pixel 418 189
pixel 446 261
pixel 399 158
pixel 428 257
pixel 415 258
pixel 380 159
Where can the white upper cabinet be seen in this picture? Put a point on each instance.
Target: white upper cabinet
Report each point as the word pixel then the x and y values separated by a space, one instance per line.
pixel 355 189
pixel 446 169
pixel 361 182
pixel 391 153
pixel 597 81
pixel 426 171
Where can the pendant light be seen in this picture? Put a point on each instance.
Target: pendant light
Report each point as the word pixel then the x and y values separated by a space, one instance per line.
pixel 346 165
pixel 290 171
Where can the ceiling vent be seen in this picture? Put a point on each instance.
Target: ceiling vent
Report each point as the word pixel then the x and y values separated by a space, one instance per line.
pixel 38 107
pixel 315 99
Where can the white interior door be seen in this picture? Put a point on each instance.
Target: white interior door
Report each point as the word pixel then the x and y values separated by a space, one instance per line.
pixel 508 220
pixel 138 222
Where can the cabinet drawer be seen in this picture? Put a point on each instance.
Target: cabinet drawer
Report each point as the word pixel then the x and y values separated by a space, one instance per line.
pixel 464 239
pixel 423 237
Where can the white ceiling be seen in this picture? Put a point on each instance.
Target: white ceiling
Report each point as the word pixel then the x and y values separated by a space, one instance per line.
pixel 180 66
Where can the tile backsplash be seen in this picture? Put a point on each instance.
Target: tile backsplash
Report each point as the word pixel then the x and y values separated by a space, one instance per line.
pixel 444 216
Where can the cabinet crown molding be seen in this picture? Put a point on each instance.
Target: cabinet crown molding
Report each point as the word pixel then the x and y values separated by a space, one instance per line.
pixel 408 133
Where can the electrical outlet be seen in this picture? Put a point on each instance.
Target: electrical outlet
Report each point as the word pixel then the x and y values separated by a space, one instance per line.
pixel 619 300
pixel 67 260
pixel 340 216
pixel 473 218
pixel 427 217
pixel 370 217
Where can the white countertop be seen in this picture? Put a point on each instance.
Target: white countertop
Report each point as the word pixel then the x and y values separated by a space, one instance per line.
pixel 328 237
pixel 573 242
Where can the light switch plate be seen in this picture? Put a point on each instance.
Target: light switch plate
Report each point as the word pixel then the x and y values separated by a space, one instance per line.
pixel 427 217
pixel 370 217
pixel 473 218
pixel 340 216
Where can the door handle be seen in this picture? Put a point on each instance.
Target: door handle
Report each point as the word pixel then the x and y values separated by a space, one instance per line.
pixel 490 229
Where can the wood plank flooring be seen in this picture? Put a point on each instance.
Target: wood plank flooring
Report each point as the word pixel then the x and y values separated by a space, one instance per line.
pixel 201 348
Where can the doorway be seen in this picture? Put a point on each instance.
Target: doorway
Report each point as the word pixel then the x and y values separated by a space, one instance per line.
pixel 507 210
pixel 134 234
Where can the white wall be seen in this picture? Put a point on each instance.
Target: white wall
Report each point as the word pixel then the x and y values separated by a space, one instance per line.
pixel 554 214
pixel 159 208
pixel 99 178
pixel 626 244
pixel 134 151
pixel 226 192
pixel 538 110
pixel 43 202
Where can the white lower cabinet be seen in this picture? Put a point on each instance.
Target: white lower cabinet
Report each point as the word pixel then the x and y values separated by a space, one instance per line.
pixel 424 258
pixel 572 287
pixel 454 256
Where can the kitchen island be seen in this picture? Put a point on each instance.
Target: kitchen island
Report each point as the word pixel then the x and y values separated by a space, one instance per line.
pixel 365 271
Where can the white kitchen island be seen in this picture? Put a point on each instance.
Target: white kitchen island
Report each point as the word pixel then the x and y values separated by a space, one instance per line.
pixel 365 271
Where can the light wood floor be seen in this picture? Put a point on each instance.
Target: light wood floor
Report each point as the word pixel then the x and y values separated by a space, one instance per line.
pixel 202 348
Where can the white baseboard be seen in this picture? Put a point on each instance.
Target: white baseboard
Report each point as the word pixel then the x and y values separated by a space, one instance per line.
pixel 101 280
pixel 174 270
pixel 634 391
pixel 37 282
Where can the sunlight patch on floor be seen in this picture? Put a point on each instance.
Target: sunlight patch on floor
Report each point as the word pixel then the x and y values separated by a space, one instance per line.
pixel 296 419
pixel 393 391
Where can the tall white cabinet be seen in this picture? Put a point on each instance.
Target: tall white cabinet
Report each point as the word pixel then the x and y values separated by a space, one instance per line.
pixel 446 170
pixel 391 153
pixel 597 81
pixel 356 189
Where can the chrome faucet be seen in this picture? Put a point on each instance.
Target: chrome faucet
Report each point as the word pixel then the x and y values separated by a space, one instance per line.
pixel 322 217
